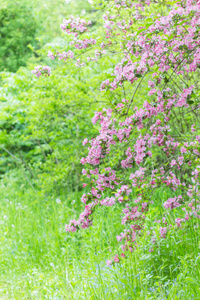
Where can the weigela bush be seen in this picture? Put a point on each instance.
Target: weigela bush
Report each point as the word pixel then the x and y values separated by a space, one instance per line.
pixel 160 140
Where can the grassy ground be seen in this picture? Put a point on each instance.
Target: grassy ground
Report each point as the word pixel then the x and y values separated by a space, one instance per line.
pixel 39 260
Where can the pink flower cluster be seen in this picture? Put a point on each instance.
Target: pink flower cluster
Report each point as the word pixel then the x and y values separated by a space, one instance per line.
pixel 63 55
pixel 39 70
pixel 172 202
pixel 83 44
pixel 75 26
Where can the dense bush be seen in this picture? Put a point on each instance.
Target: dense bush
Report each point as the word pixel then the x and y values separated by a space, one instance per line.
pixel 18 29
pixel 41 121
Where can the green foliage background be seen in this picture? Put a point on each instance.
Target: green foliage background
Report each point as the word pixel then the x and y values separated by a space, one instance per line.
pixel 43 122
pixel 18 29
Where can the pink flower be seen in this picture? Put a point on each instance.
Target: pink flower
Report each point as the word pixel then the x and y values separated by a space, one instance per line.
pixel 183 150
pixel 180 160
pixel 85 141
pixel 198 138
pixel 173 162
pixel 163 231
pixel 116 258
pixel 109 263
pixel 84 172
pixel 178 221
pixel 192 128
pixel 151 83
pixel 51 55
pixel 152 91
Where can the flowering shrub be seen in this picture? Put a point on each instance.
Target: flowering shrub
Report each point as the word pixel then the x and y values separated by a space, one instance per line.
pixel 158 143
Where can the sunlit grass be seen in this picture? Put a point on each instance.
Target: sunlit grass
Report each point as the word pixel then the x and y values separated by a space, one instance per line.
pixel 39 260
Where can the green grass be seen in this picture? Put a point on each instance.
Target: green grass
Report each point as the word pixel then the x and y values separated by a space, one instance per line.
pixel 39 260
